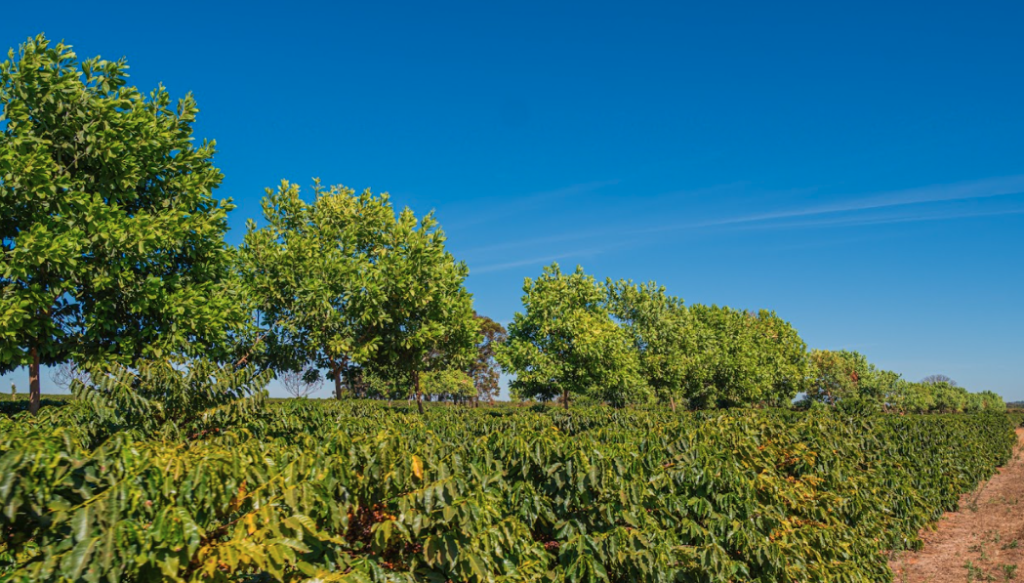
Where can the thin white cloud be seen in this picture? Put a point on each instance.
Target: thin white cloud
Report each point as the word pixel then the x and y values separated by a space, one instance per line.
pixel 853 212
pixel 975 189
pixel 522 262
pixel 856 221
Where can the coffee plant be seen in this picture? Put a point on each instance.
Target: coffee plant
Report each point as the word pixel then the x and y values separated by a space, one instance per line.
pixel 356 491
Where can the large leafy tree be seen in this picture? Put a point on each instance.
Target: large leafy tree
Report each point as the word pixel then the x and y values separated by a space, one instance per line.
pixel 485 370
pixel 112 240
pixel 781 355
pixel 566 343
pixel 723 371
pixel 742 358
pixel 657 325
pixel 427 321
pixel 310 276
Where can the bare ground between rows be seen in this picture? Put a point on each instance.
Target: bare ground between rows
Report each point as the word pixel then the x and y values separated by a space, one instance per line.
pixel 982 541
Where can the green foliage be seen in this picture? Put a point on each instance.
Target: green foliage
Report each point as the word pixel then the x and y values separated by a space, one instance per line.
pixel 948 398
pixel 743 358
pixel 345 280
pixel 485 369
pixel 310 275
pixel 427 321
pixel 353 491
pixel 658 325
pixel 450 384
pixel 566 343
pixel 112 240
pixel 173 400
pixel 848 380
pixel 836 375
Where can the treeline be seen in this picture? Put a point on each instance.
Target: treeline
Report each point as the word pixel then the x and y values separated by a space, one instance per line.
pixel 114 260
pixel 621 343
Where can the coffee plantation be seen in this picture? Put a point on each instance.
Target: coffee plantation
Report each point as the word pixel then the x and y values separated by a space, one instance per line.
pixel 358 491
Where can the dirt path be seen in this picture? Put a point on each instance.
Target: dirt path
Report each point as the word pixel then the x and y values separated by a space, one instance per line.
pixel 983 541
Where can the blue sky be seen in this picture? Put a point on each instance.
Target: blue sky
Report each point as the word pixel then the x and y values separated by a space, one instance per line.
pixel 856 167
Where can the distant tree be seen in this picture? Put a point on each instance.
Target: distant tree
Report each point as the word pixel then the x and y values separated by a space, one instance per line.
pixel 837 375
pixel 991 401
pixel 920 398
pixel 388 387
pixel 112 241
pixel 938 378
pixel 657 325
pixel 566 343
pixel 301 384
pixel 485 370
pixel 450 384
pixel 65 373
pixel 889 389
pixel 948 398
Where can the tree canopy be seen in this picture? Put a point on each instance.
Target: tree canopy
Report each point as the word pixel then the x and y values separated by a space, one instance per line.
pixel 309 275
pixel 566 343
pixel 485 370
pixel 112 239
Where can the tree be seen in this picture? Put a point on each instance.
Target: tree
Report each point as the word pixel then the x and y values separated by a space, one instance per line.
pixel 65 373
pixel 890 390
pixel 919 398
pixel 426 318
pixel 451 384
pixel 301 384
pixel 742 358
pixel 837 375
pixel 309 276
pixel 112 240
pixel 566 343
pixel 938 378
pixel 948 398
pixel 781 355
pixel 485 369
pixel 657 325
pixel 991 401
pixel 383 387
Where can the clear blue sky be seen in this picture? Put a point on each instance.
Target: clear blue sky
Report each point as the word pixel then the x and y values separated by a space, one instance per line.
pixel 857 167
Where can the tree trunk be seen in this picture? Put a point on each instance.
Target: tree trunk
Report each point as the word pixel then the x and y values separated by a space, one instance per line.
pixel 565 399
pixel 337 382
pixel 672 400
pixel 33 382
pixel 416 386
pixel 336 369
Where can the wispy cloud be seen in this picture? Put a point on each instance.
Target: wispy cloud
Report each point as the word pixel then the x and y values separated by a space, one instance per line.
pixel 976 189
pixel 859 220
pixel 891 207
pixel 519 263
pixel 541 260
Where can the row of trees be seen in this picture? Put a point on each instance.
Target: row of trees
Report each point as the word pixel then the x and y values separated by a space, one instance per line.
pixel 621 342
pixel 843 376
pixel 113 253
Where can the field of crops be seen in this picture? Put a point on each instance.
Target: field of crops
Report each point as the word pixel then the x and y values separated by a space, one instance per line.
pixel 361 492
